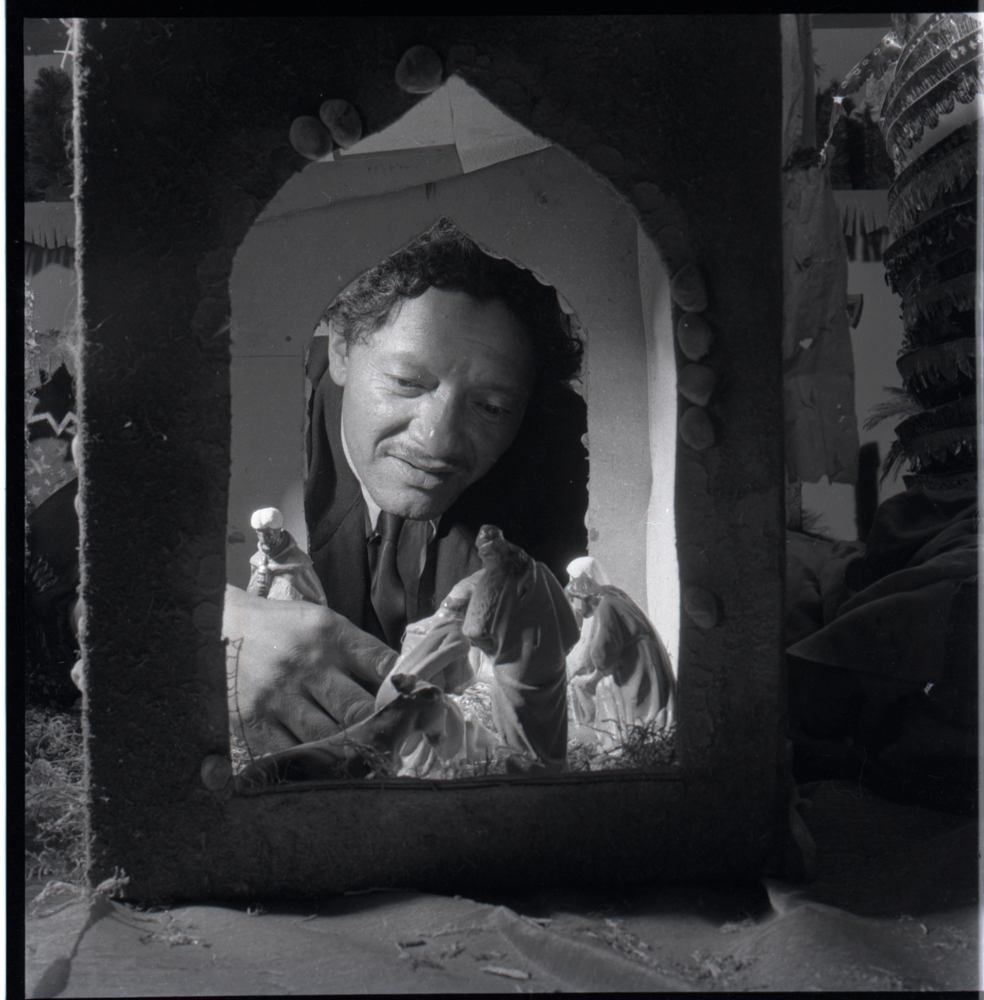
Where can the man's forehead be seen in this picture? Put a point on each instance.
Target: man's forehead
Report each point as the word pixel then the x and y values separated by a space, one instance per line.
pixel 458 329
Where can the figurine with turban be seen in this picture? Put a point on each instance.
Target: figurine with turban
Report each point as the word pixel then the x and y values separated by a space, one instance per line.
pixel 280 571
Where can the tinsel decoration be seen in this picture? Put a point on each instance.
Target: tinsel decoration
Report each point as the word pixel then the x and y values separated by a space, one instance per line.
pixel 908 129
pixel 937 35
pixel 950 165
pixel 953 326
pixel 953 229
pixel 944 67
pixel 928 115
pixel 874 73
pixel 937 447
pixel 933 304
pixel 937 271
pixel 939 370
pixel 948 481
pixel 957 415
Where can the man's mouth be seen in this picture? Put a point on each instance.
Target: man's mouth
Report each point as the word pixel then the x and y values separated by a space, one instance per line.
pixel 425 472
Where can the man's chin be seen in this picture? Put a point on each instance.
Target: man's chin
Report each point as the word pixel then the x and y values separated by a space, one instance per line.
pixel 419 504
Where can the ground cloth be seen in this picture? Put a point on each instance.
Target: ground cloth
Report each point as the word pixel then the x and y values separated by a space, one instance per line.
pixel 893 905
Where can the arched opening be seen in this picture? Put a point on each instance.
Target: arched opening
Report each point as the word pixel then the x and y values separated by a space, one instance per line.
pixel 542 209
pixel 456 155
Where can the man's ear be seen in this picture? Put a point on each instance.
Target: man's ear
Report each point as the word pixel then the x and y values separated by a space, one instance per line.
pixel 337 355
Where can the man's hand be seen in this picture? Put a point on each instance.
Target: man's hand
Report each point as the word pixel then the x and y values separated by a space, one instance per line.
pixel 290 667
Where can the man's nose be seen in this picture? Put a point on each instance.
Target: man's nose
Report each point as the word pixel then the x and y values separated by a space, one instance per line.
pixel 439 426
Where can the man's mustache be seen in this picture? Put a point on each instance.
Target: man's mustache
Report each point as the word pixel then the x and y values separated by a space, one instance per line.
pixel 421 460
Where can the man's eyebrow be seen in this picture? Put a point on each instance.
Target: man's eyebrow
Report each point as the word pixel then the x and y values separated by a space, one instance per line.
pixel 506 390
pixel 410 359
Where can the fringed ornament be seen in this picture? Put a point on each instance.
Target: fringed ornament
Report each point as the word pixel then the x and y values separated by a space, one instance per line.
pixel 936 303
pixel 908 130
pixel 960 413
pixel 950 165
pixel 939 363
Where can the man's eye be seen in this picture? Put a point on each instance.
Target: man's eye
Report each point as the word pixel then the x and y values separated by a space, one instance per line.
pixel 494 411
pixel 405 383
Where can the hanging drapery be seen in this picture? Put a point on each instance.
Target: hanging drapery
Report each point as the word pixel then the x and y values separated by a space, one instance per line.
pixel 818 361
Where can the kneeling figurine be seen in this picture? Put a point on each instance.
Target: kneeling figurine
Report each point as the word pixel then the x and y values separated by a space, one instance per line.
pixel 280 571
pixel 620 672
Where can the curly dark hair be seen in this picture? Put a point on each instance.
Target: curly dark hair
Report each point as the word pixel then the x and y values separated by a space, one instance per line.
pixel 444 257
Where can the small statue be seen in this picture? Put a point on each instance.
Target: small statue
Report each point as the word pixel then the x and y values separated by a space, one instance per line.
pixel 620 672
pixel 516 614
pixel 519 617
pixel 280 570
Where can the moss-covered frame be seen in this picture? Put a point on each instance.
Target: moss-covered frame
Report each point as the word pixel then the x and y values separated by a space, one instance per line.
pixel 184 131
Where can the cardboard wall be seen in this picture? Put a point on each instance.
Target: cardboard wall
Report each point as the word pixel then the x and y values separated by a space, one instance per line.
pixel 180 160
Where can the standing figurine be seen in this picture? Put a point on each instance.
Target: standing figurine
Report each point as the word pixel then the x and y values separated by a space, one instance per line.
pixel 620 672
pixel 280 570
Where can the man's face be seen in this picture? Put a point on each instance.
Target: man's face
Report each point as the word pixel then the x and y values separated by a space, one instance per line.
pixel 268 539
pixel 433 399
pixel 581 605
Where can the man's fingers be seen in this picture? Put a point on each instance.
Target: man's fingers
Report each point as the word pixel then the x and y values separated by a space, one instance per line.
pixel 358 653
pixel 337 696
pixel 269 736
pixel 307 763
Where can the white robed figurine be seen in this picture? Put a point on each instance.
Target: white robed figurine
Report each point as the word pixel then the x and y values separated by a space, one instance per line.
pixel 619 672
pixel 280 570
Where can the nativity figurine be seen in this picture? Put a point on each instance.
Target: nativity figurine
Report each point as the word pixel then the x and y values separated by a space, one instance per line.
pixel 620 672
pixel 280 571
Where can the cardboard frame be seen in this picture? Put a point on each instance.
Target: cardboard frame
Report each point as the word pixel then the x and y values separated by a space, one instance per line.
pixel 183 127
